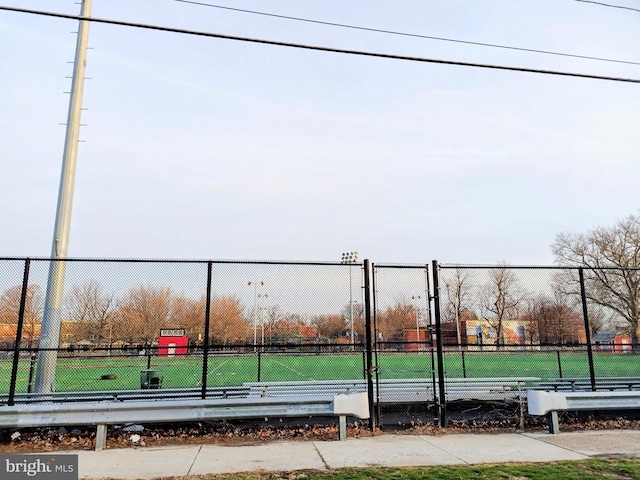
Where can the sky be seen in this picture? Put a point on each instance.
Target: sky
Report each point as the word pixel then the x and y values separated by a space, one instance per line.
pixel 205 148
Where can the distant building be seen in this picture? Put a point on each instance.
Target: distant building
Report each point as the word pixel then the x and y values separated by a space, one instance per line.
pixel 611 341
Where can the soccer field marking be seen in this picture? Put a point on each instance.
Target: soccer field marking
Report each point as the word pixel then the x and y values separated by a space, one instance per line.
pixel 293 370
pixel 209 372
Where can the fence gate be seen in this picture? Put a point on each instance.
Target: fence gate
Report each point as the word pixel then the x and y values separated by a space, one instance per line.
pixel 405 361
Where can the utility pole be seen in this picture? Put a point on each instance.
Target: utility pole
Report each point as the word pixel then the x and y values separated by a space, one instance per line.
pixel 52 318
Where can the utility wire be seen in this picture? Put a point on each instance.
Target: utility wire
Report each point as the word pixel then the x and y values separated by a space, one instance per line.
pixel 320 48
pixel 609 5
pixel 404 34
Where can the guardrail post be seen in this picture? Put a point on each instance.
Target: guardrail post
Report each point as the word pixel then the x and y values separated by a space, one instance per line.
pixel 101 436
pixel 552 421
pixel 16 347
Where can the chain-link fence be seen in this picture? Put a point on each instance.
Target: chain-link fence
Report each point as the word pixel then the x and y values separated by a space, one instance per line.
pixel 555 328
pixel 429 334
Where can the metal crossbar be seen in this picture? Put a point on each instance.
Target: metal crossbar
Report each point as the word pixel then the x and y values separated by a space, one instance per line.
pixel 102 414
pixel 540 402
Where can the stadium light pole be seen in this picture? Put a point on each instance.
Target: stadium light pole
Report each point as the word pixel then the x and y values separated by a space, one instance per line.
pixel 416 299
pixel 255 311
pixel 261 297
pixel 350 258
pixel 52 315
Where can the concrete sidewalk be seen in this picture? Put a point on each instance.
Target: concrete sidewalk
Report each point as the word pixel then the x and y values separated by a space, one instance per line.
pixel 382 450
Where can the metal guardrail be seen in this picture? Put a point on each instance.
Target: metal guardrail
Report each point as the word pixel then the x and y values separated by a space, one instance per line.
pixel 392 391
pixel 601 383
pixel 127 395
pixel 540 402
pixel 102 414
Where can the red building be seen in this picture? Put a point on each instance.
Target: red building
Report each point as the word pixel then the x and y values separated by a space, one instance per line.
pixel 172 341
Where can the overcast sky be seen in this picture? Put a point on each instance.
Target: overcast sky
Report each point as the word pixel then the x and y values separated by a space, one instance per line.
pixel 203 148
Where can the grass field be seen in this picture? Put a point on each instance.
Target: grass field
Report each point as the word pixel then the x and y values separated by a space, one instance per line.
pixel 84 373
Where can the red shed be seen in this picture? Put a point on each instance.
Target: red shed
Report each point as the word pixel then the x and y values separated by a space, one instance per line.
pixel 172 341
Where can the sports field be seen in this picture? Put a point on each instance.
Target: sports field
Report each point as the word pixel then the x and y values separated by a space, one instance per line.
pixel 85 373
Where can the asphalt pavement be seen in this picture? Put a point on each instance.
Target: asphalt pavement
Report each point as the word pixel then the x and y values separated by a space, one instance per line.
pixel 379 451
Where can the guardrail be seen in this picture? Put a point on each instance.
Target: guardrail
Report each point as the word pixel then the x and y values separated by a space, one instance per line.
pixel 107 413
pixel 127 395
pixel 540 402
pixel 390 391
pixel 403 390
pixel 601 383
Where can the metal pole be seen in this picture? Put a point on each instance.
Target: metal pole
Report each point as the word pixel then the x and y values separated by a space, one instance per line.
pixel 255 313
pixel 52 318
pixel 207 323
pixel 585 315
pixel 16 346
pixel 440 351
pixel 351 305
pixel 369 342
pixel 350 258
pixel 417 311
pixel 376 346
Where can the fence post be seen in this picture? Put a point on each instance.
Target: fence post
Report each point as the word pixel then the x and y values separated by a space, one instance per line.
pixel 369 342
pixel 376 345
pixel 439 350
pixel 464 365
pixel 16 346
pixel 205 345
pixel 587 330
pixel 559 363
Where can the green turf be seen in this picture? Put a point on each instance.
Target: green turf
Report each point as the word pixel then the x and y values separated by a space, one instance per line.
pixel 84 373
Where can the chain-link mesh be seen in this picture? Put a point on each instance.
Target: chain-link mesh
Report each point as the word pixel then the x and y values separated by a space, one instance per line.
pixel 554 327
pixel 127 325
pixel 191 328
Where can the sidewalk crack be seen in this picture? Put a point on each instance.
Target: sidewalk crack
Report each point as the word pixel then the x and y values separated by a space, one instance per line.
pixel 194 460
pixel 324 462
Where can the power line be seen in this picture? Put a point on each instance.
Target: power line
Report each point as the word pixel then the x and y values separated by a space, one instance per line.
pixel 320 48
pixel 610 6
pixel 405 34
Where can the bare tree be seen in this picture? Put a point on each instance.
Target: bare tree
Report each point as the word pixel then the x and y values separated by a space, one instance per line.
pixel 458 300
pixel 189 314
pixel 397 318
pixel 94 310
pixel 10 309
pixel 288 327
pixel 500 298
pixel 227 322
pixel 143 313
pixel 329 326
pixel 556 320
pixel 610 258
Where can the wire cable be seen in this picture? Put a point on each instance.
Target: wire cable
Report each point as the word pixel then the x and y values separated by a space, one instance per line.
pixel 404 34
pixel 320 48
pixel 609 5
